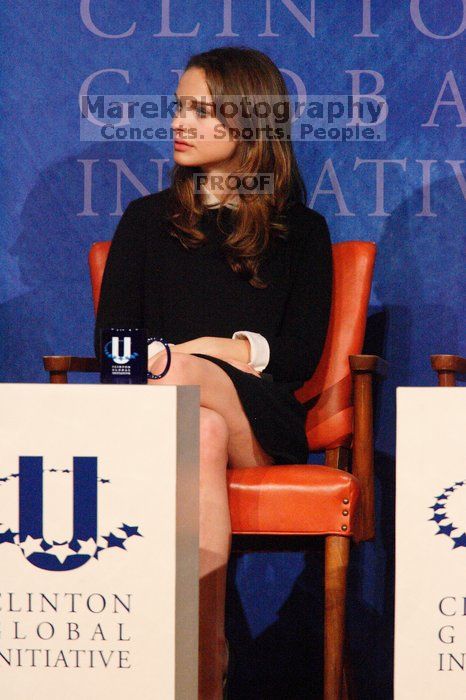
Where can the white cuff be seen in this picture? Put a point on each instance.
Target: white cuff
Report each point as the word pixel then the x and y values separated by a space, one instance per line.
pixel 155 347
pixel 260 350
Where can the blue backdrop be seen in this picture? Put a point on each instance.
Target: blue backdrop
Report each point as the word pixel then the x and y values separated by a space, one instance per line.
pixel 60 194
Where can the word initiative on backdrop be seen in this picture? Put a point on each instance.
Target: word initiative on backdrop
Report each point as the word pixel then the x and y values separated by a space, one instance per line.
pixel 422 172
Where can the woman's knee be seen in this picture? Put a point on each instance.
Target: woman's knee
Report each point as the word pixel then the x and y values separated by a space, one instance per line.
pixel 213 427
pixel 214 435
pixel 181 366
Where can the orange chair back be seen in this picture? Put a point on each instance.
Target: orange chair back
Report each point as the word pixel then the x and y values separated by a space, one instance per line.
pixel 327 393
pixel 97 260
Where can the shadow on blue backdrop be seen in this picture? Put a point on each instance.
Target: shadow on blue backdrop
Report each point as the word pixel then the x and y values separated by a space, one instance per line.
pixel 55 316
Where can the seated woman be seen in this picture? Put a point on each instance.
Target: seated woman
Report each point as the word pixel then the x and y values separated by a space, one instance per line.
pixel 240 281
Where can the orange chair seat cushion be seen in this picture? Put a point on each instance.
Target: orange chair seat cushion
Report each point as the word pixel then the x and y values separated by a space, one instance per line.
pixel 308 499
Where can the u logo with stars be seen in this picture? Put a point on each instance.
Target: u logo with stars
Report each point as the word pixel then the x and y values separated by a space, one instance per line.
pixel 449 513
pixel 26 490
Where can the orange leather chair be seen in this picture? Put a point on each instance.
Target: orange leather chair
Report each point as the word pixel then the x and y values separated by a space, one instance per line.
pixel 335 500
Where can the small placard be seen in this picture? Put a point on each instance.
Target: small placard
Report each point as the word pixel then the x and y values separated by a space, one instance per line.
pixel 99 541
pixel 430 603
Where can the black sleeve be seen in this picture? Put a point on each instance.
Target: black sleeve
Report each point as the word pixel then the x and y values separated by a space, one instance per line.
pixel 296 351
pixel 121 300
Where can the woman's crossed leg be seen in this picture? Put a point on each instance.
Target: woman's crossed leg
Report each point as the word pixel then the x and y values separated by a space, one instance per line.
pixel 218 393
pixel 226 439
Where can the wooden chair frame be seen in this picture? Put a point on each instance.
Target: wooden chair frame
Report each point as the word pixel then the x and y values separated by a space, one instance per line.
pixel 364 369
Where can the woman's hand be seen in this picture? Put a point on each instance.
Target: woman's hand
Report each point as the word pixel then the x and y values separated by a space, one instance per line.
pixel 202 345
pixel 207 345
pixel 237 349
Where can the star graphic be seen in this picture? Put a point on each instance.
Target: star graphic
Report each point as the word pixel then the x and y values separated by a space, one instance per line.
pixel 445 529
pixel 7 536
pixel 114 541
pixel 438 506
pixel 53 470
pixel 450 489
pixel 459 541
pixel 459 483
pixel 441 497
pixel 61 551
pixel 105 481
pixel 438 518
pixel 97 552
pixel 5 478
pixel 130 530
pixel 66 471
pixel 30 545
pixel 74 545
pixel 15 475
pixel 87 547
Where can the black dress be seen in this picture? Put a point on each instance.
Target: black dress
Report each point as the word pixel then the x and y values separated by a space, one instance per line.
pixel 152 281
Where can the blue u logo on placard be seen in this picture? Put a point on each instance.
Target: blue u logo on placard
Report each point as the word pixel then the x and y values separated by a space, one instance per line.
pixel 84 511
pixel 86 542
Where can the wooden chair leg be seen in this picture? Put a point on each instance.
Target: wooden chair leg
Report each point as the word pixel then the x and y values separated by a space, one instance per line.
pixel 60 377
pixel 348 691
pixel 336 565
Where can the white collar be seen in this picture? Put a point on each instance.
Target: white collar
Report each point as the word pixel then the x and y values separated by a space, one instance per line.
pixel 214 202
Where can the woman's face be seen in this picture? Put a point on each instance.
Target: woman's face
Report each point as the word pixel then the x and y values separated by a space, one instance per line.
pixel 211 147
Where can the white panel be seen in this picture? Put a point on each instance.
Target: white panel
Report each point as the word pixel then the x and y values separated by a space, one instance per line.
pixel 146 441
pixel 430 611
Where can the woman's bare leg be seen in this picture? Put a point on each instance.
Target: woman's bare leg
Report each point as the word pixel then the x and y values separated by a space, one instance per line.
pixel 226 437
pixel 218 393
pixel 214 550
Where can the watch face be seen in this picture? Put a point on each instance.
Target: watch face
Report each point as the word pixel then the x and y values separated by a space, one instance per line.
pixel 123 353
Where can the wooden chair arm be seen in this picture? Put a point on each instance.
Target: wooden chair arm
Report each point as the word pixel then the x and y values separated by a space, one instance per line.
pixel 368 363
pixel 447 367
pixel 363 368
pixel 59 365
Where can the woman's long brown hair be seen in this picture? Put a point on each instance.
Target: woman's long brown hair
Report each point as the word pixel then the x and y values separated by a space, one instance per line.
pixel 235 70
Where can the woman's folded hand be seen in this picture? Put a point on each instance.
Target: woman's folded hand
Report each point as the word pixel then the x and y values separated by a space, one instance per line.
pixel 219 347
pixel 216 347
